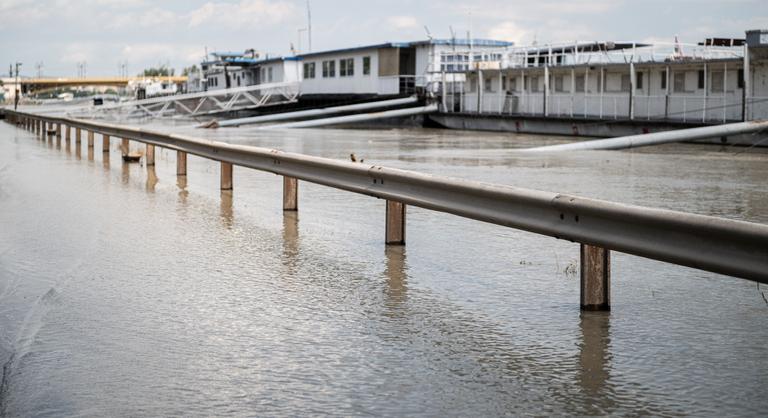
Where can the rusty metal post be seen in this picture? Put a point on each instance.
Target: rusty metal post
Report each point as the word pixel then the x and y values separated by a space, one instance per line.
pixel 58 131
pixel 181 163
pixel 67 133
pixel 90 139
pixel 395 223
pixel 226 176
pixel 78 136
pixel 290 194
pixel 125 147
pixel 595 278
pixel 105 144
pixel 150 155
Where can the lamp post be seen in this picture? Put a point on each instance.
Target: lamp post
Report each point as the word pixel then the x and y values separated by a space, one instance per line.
pixel 18 90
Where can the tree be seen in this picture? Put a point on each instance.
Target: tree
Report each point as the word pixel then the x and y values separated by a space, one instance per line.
pixel 189 70
pixel 160 71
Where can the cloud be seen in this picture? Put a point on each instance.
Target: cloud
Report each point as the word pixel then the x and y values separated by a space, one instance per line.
pixel 509 31
pixel 243 14
pixel 403 22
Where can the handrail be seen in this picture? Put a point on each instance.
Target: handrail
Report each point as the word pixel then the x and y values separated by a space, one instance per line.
pixel 730 247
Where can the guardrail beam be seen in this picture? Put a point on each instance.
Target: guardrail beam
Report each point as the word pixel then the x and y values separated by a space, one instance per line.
pixel 395 223
pixel 595 278
pixel 226 176
pixel 290 194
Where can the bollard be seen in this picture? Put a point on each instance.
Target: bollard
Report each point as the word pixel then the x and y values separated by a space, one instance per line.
pixel 395 223
pixel 290 194
pixel 150 155
pixel 90 139
pixel 78 136
pixel 181 163
pixel 226 176
pixel 595 278
pixel 105 144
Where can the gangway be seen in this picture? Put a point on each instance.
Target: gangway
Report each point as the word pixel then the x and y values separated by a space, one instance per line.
pixel 194 104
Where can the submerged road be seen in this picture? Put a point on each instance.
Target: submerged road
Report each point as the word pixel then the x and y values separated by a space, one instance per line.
pixel 127 292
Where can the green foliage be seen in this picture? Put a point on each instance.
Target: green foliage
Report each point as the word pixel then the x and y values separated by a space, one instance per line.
pixel 161 71
pixel 188 70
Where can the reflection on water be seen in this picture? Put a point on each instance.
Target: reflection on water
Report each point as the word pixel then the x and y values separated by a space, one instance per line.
pixel 225 209
pixel 595 362
pixel 151 179
pixel 395 273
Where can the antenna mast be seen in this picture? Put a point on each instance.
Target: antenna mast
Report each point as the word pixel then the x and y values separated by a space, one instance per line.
pixel 309 27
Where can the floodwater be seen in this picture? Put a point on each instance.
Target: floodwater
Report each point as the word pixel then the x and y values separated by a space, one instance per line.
pixel 127 292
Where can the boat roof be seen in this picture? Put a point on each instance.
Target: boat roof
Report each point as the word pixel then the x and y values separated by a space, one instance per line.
pixel 456 42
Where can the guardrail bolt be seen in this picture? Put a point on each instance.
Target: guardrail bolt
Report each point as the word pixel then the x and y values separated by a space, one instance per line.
pixel 595 278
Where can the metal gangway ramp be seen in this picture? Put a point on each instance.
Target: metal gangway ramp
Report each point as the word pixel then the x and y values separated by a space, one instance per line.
pixel 204 103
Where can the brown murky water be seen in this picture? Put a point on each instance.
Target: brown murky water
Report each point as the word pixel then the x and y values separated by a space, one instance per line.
pixel 126 292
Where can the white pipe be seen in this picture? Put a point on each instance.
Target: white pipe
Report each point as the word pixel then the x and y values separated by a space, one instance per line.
pixel 316 112
pixel 355 118
pixel 657 138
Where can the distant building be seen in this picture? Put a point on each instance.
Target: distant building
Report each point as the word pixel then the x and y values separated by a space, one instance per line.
pixel 386 69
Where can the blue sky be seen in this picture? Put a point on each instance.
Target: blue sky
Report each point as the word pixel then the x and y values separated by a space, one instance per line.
pixel 142 33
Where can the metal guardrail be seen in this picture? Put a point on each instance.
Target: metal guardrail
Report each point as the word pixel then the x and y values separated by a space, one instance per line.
pixel 718 245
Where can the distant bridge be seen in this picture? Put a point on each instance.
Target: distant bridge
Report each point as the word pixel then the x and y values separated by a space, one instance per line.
pixel 29 85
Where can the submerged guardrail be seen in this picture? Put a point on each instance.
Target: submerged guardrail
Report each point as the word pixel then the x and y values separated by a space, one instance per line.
pixel 708 243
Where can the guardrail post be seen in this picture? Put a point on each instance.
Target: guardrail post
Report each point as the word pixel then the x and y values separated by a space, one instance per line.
pixel 595 278
pixel 226 176
pixel 67 133
pixel 90 139
pixel 181 163
pixel 78 136
pixel 105 144
pixel 150 155
pixel 58 131
pixel 395 223
pixel 125 147
pixel 290 194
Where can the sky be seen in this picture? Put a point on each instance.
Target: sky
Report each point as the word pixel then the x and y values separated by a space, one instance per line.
pixel 105 34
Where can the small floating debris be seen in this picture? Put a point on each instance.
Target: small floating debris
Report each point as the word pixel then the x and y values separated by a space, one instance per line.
pixel 132 157
pixel 213 124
